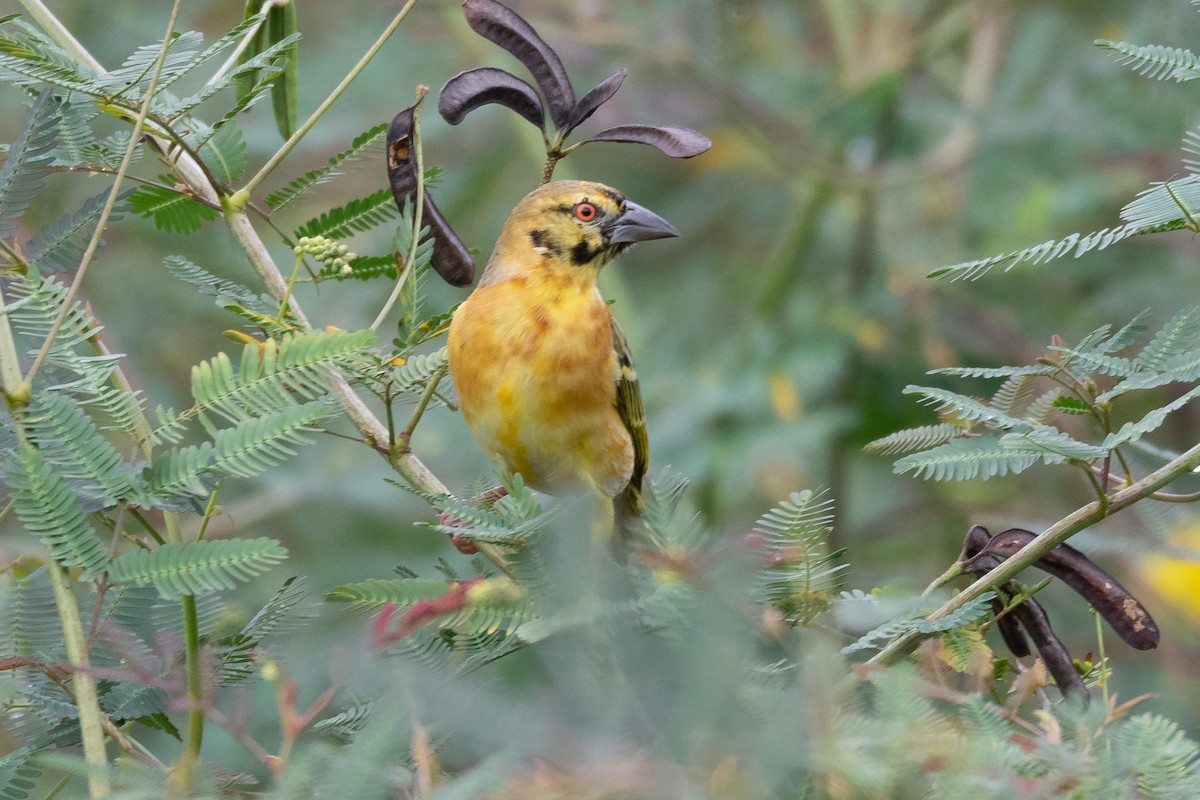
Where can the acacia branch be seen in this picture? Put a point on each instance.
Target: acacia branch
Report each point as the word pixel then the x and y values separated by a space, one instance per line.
pixel 1047 540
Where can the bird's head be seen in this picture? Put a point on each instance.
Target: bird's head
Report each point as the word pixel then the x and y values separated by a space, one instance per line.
pixel 571 229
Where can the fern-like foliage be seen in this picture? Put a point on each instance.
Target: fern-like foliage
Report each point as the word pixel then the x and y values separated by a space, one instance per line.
pixel 1076 244
pixel 1155 61
pixel 801 576
pixel 354 217
pixel 245 450
pixel 29 157
pixel 512 521
pixel 28 58
pixel 284 613
pixel 69 442
pixel 361 145
pixel 402 592
pixel 194 568
pixel 18 771
pixel 75 369
pixel 1010 433
pixel 969 614
pixel 225 154
pixel 229 294
pixel 60 246
pixel 269 378
pixel 172 210
pixel 48 510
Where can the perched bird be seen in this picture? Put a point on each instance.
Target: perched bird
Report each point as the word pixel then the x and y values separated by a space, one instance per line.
pixel 544 376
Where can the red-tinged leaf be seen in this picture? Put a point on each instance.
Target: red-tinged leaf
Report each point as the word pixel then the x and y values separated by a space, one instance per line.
pixel 498 23
pixel 675 142
pixel 597 97
pixel 419 614
pixel 477 87
pixel 451 258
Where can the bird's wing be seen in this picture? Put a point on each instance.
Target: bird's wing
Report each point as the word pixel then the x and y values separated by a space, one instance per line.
pixel 629 408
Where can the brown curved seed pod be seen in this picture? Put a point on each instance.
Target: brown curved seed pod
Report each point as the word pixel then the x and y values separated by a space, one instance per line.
pixel 675 142
pixel 597 97
pixel 477 87
pixel 1028 618
pixel 1050 648
pixel 1123 612
pixel 450 259
pixel 498 23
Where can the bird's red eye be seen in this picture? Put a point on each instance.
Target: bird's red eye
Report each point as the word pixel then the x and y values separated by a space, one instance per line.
pixel 585 212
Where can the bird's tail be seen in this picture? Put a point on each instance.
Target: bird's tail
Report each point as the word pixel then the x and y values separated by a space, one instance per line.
pixel 628 526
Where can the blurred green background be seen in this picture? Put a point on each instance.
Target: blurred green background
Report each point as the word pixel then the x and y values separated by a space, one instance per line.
pixel 857 146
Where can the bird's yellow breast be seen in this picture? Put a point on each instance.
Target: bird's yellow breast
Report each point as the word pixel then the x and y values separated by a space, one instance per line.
pixel 533 362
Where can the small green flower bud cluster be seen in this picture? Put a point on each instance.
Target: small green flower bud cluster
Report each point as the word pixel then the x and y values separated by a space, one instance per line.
pixel 326 251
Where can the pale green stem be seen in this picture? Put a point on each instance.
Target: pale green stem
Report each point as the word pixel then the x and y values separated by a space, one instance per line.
pixel 303 130
pixel 1103 658
pixel 91 730
pixel 102 222
pixel 10 364
pixel 1047 540
pixel 195 691
pixel 287 290
pixel 418 208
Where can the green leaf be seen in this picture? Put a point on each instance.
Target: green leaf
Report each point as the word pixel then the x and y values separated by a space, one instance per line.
pixel 1163 203
pixel 376 592
pixel 357 215
pixel 994 372
pixel 171 210
pixel 282 614
pixel 970 613
pixel 257 444
pixel 964 408
pixel 25 169
pixel 1071 405
pixel 1177 336
pixel 358 147
pixel 68 442
pixel 48 510
pixel 192 568
pixel 60 246
pixel 132 78
pixel 225 154
pixel 801 575
pixel 246 450
pixel 27 58
pixel 18 773
pixel 913 439
pixel 228 293
pixel 1132 431
pixel 1076 243
pixel 1155 61
pixel 274 376
pixel 964 459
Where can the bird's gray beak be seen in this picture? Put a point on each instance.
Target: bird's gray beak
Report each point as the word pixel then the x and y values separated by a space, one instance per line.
pixel 639 224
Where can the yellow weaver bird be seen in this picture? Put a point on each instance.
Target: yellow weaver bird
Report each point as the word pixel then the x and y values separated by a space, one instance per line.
pixel 544 376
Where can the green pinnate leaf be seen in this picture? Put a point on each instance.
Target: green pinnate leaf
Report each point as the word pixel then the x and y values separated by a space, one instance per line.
pixel 193 568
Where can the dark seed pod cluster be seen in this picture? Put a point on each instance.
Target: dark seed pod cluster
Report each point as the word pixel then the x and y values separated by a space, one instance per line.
pixel 554 95
pixel 1027 621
